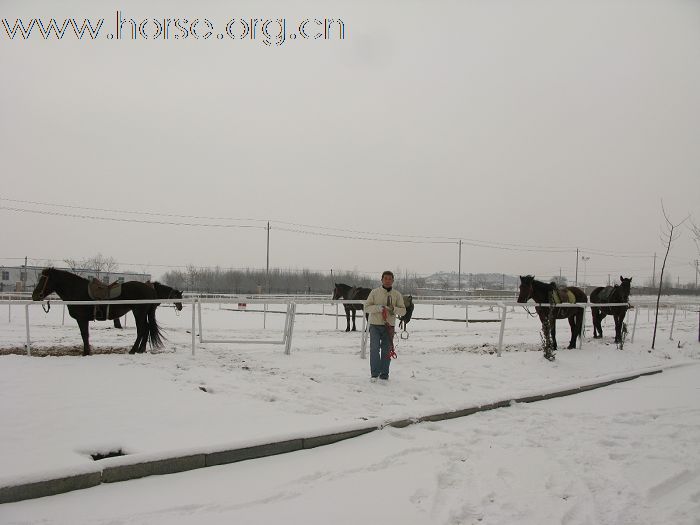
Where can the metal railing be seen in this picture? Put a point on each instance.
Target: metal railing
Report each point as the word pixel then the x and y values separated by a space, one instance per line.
pixel 291 303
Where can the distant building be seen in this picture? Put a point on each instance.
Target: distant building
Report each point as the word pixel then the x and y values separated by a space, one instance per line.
pixel 24 278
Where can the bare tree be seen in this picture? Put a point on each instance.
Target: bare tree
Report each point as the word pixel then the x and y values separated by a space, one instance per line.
pixel 97 263
pixel 560 280
pixel 669 235
pixel 695 231
pixel 73 264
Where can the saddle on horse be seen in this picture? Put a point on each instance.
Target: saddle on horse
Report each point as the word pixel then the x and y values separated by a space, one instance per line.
pixel 563 295
pixel 99 291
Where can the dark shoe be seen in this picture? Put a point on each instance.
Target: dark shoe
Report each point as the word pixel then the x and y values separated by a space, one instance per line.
pixel 383 377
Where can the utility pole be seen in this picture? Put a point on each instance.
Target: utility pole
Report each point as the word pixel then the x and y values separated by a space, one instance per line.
pixel 696 274
pixel 576 279
pixel 459 268
pixel 267 267
pixel 585 265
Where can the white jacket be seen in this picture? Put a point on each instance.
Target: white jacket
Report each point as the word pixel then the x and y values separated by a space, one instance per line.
pixel 380 298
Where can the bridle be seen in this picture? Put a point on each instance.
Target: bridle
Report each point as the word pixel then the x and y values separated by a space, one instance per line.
pixel 530 294
pixel 42 294
pixel 171 295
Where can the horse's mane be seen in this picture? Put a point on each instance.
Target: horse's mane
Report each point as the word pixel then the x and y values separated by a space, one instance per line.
pixel 541 284
pixel 65 273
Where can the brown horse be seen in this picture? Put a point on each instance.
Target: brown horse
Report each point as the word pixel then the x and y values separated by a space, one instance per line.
pixel 71 287
pixel 620 293
pixel 548 293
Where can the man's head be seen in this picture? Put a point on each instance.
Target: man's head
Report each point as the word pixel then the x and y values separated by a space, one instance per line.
pixel 387 279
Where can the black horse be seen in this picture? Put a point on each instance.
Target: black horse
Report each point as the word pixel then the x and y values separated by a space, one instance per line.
pixel 620 293
pixel 344 291
pixel 71 287
pixel 163 291
pixel 548 293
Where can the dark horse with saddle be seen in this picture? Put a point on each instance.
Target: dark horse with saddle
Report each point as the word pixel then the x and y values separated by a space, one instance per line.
pixel 550 294
pixel 619 293
pixel 71 287
pixel 347 292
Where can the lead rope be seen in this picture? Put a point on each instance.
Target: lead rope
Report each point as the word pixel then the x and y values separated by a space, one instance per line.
pixel 391 331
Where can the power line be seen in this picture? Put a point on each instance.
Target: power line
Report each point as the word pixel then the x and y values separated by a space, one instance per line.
pixel 306 229
pixel 142 221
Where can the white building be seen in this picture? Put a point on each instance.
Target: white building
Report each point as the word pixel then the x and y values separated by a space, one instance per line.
pixel 24 278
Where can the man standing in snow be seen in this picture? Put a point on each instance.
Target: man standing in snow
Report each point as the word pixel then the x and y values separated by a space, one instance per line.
pixel 383 305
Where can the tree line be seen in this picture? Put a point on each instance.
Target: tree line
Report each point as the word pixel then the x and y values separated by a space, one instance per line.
pixel 278 281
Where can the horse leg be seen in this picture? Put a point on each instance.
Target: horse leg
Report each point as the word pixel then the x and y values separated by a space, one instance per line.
pixel 618 327
pixel 553 332
pixel 143 330
pixel 140 334
pixel 574 325
pixel 85 334
pixel 597 330
pixel 347 318
pixel 354 312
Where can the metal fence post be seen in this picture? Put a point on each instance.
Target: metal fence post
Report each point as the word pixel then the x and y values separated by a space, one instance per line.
pixel 363 339
pixel 634 324
pixel 194 329
pixel 26 322
pixel 503 327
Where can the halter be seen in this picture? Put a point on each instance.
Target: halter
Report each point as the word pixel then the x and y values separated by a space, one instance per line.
pixel 170 296
pixel 529 296
pixel 45 279
pixel 42 295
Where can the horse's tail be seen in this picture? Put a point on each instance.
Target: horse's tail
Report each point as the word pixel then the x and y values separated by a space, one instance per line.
pixel 155 335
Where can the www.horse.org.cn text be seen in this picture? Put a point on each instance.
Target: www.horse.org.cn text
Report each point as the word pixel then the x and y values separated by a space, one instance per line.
pixel 269 31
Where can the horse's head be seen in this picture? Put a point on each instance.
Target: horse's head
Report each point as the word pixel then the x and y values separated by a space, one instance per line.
pixel 177 294
pixel 164 291
pixel 625 286
pixel 337 292
pixel 526 288
pixel 45 286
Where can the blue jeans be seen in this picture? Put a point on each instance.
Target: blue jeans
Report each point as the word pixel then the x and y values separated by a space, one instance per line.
pixel 379 360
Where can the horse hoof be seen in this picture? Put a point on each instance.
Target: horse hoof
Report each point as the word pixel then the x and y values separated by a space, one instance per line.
pixel 347 329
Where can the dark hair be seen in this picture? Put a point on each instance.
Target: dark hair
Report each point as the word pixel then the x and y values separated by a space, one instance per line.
pixel 387 272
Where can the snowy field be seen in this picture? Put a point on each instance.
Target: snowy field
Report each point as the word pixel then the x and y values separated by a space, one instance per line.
pixel 623 454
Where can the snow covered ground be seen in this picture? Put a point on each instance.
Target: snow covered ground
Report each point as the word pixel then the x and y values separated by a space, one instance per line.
pixel 623 454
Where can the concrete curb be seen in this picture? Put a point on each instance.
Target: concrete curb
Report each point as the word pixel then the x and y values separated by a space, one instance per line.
pixel 111 474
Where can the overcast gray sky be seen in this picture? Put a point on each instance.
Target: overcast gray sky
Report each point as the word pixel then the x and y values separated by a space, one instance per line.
pixel 525 128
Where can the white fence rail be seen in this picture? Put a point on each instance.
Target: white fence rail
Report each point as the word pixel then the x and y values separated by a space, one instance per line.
pixel 291 303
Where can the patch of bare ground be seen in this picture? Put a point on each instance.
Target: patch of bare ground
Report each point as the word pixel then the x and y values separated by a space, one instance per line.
pixel 58 351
